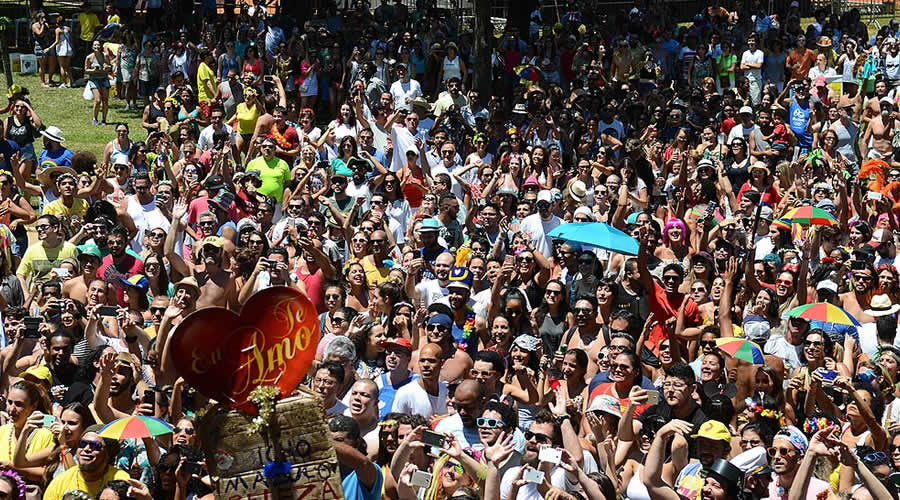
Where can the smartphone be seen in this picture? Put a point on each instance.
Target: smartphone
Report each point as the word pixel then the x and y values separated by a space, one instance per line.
pixel 63 272
pixel 826 376
pixel 552 455
pixel 874 195
pixel 48 421
pixel 432 438
pixel 417 253
pixel 149 398
pixel 652 397
pixel 31 327
pixel 109 311
pixel 509 259
pixel 857 265
pixel 533 476
pixel 421 479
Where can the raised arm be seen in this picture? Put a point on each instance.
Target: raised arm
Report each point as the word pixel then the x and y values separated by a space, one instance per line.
pixel 175 260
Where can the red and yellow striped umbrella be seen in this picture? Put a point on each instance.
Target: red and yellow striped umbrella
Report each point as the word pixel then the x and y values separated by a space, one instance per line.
pixel 810 216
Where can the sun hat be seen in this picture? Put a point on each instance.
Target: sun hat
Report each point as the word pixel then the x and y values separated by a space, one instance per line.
pixel 881 305
pixel 605 403
pixel 577 191
pixel 189 282
pixel 430 225
pixel 54 134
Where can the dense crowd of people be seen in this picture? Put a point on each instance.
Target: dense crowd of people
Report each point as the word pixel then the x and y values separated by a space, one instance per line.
pixel 471 348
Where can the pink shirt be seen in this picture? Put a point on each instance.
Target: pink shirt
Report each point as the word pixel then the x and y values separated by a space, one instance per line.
pixel 816 486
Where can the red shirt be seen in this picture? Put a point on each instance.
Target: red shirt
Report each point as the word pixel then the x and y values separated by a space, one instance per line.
pixel 314 289
pixel 112 274
pixel 663 307
pixel 771 197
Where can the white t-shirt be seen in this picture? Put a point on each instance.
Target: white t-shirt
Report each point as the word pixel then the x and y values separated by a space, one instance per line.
pixel 742 132
pixel 414 400
pixel 538 229
pixel 753 58
pixel 205 141
pixel 403 91
pixel 430 291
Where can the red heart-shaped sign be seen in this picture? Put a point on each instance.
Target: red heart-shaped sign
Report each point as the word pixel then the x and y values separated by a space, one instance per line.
pixel 272 342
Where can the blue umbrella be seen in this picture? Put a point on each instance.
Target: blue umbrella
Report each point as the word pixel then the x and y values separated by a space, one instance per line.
pixel 596 234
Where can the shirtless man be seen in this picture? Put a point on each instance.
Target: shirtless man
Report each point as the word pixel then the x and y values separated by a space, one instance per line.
pixel 873 105
pixel 77 288
pixel 216 285
pixel 851 98
pixel 879 132
pixel 855 301
pixel 455 362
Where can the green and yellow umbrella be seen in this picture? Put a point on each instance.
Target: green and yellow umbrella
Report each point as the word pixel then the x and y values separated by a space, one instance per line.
pixel 825 312
pixel 135 426
pixel 810 216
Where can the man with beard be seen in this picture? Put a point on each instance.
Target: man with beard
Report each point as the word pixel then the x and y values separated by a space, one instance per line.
pixel 458 297
pixel 873 105
pixel 339 205
pixel 488 369
pixel 114 395
pixel 787 452
pixel 358 185
pixel 68 208
pixel 880 132
pixel 468 400
pixel 327 384
pixel 119 264
pixel 397 355
pixel 540 224
pixel 676 403
pixel 665 300
pixel 427 396
pixel 95 469
pixel 90 259
pixel 41 257
pixel 856 301
pixel 455 363
pixel 217 285
pixel 82 390
pixel 360 477
pixel 713 441
pixel 544 432
pixel 800 115
pixel 429 291
pixel 362 406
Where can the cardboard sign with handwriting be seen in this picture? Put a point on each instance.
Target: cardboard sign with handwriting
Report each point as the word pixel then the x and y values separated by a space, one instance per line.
pixel 304 439
pixel 272 342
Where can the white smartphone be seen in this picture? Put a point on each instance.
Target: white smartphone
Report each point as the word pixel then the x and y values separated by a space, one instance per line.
pixel 421 479
pixel 874 195
pixel 552 455
pixel 62 272
pixel 533 476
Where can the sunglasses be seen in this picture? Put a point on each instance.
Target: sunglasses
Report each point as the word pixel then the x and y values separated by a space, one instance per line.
pixel 774 452
pixel 490 423
pixel 187 430
pixel 540 438
pixel 93 445
pixel 436 328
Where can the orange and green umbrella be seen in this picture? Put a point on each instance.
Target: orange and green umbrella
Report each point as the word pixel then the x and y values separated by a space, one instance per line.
pixel 742 349
pixel 810 216
pixel 825 312
pixel 135 426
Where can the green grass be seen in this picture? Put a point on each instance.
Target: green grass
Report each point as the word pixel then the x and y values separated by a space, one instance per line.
pixel 66 109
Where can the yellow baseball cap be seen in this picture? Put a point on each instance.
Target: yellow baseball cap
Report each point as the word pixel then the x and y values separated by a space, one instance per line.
pixel 715 430
pixel 212 240
pixel 39 373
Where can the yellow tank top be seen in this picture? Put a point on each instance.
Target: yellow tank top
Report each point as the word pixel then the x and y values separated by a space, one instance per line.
pixel 246 118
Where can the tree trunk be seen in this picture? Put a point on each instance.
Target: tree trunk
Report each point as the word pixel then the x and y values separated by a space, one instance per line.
pixel 4 55
pixel 483 39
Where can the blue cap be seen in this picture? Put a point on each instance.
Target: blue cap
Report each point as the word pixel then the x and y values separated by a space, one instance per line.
pixel 441 319
pixel 460 277
pixel 138 281
pixel 430 225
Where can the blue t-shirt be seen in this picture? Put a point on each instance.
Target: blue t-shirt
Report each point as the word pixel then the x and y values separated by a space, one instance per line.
pixel 355 490
pixel 62 157
pixel 7 149
pixel 387 392
pixel 799 119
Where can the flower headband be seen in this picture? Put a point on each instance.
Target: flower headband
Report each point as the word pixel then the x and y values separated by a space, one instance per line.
pixel 20 484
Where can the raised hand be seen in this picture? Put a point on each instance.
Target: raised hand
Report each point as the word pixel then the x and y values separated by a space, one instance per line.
pixel 500 450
